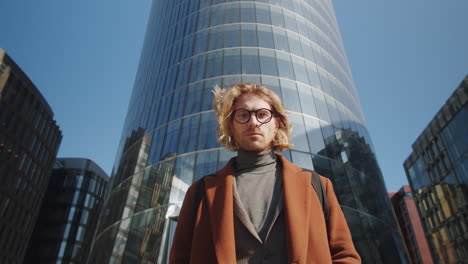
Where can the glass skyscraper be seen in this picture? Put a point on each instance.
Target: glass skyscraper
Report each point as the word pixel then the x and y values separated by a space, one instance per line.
pixel 69 213
pixel 437 170
pixel 169 139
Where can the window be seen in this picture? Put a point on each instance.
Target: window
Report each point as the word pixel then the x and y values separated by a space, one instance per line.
pixel 250 61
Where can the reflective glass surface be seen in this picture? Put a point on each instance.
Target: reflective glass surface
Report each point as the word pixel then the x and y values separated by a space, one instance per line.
pixel 291 46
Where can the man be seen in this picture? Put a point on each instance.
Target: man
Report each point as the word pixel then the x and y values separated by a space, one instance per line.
pixel 260 208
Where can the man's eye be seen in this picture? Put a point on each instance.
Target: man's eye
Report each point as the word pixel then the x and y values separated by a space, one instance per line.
pixel 262 114
pixel 243 115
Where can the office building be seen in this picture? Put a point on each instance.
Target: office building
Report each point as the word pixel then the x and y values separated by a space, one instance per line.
pixel 411 227
pixel 437 171
pixel 169 137
pixel 69 213
pixel 29 141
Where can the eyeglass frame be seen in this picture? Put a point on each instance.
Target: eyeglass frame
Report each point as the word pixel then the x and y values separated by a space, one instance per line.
pixel 233 115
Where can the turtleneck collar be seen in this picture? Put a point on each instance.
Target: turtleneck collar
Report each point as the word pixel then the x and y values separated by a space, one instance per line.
pixel 248 160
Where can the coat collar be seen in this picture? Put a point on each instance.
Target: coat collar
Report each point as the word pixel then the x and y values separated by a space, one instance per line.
pixel 297 208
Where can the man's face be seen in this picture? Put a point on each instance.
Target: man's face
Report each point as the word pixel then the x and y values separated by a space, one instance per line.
pixel 253 135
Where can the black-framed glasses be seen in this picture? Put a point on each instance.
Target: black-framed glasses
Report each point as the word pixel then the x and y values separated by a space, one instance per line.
pixel 243 115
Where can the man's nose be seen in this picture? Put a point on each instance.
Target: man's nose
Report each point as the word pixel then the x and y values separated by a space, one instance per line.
pixel 253 120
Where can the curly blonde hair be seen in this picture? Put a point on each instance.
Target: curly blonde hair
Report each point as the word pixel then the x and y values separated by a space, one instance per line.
pixel 225 101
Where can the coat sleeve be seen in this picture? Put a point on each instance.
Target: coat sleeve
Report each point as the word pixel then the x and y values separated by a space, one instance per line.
pixel 339 237
pixel 182 242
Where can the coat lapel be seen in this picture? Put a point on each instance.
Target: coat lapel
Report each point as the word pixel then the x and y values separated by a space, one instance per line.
pixel 297 208
pixel 219 196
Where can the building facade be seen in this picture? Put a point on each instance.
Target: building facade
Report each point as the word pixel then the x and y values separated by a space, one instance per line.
pixel 69 213
pixel 29 141
pixel 169 139
pixel 411 227
pixel 437 171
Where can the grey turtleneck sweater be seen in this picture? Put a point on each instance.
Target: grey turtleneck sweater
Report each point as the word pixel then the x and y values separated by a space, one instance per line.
pixel 259 184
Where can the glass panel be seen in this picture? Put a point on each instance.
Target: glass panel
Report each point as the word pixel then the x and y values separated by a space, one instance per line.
pixel 249 35
pixel 216 38
pixel 285 68
pixel 198 68
pixel 322 166
pixel 306 99
pixel 206 164
pixel 214 65
pixel 208 95
pixel 232 36
pixel 314 135
pixel 268 64
pixel 232 13
pixel 302 160
pixel 281 41
pixel 232 61
pixel 262 13
pixel 200 42
pixel 250 61
pixel 276 16
pixel 189 133
pixel 203 19
pixel 294 44
pixel 194 92
pixel 299 69
pixel 172 138
pixel 289 20
pixel 163 111
pixel 272 84
pixel 313 75
pixel 265 37
pixel 177 107
pixel 216 15
pixel 290 96
pixel 207 138
pixel 321 105
pixel 247 13
pixel 298 137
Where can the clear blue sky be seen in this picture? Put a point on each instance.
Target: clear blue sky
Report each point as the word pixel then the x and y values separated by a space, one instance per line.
pixel 407 57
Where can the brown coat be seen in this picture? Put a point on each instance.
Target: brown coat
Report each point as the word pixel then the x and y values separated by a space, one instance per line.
pixel 210 238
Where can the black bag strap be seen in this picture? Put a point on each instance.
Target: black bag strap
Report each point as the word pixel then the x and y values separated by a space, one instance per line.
pixel 318 186
pixel 315 180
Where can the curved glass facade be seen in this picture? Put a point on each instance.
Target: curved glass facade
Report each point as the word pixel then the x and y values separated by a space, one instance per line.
pixel 169 138
pixel 69 213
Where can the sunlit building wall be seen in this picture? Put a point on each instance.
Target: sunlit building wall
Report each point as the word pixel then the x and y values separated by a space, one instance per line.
pixel 411 227
pixel 437 170
pixel 69 213
pixel 29 141
pixel 169 137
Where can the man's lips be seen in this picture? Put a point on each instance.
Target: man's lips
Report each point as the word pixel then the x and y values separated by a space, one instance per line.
pixel 254 134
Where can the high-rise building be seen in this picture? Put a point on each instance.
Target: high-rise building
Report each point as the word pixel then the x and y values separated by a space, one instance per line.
pixel 29 141
pixel 69 213
pixel 437 171
pixel 169 139
pixel 411 227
